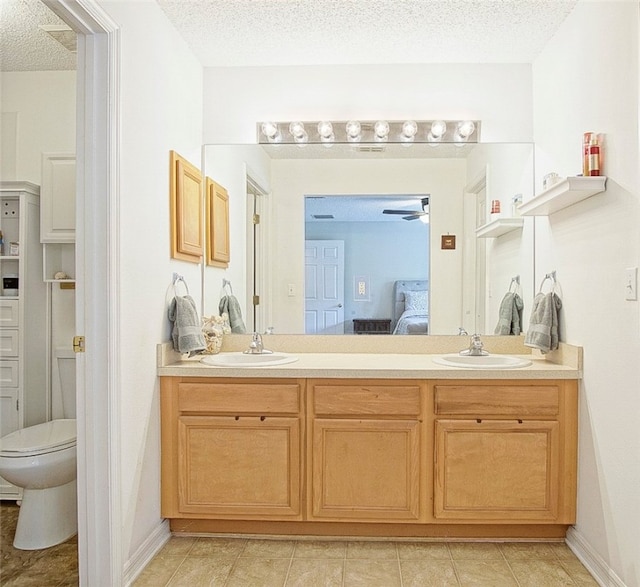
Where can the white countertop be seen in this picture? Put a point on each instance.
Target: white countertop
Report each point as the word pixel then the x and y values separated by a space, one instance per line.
pixel 373 365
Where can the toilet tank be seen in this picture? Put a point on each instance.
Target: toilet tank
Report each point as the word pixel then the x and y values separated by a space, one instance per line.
pixel 63 384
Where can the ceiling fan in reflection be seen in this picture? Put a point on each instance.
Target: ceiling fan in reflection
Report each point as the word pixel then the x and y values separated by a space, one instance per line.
pixel 413 214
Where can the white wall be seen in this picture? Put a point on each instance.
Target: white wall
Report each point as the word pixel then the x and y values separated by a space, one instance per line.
pixel 586 79
pixel 499 95
pixel 45 105
pixel 160 109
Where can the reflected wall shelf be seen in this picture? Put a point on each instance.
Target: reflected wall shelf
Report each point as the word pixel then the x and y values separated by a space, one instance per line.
pixel 499 227
pixel 563 194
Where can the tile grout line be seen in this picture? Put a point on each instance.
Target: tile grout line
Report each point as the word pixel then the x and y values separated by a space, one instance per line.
pixel 506 560
pixel 453 565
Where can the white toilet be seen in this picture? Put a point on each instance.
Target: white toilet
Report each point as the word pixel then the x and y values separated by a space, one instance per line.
pixel 41 459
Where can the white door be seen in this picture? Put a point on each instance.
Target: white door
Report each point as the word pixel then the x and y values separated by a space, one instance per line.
pixel 324 287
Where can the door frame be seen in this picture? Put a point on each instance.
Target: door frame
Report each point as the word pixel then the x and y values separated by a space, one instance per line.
pixel 100 554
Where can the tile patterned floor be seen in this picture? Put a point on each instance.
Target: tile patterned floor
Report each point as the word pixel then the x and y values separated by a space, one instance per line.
pixel 238 562
pixel 52 567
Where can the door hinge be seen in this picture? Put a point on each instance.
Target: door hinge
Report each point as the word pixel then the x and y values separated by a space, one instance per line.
pixel 256 300
pixel 78 344
pixel 256 218
pixel 17 405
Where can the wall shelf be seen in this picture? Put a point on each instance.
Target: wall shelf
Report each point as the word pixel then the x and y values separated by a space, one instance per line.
pixel 498 227
pixel 563 194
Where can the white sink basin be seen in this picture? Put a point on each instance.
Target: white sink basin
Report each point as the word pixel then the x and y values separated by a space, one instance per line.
pixel 243 360
pixel 482 362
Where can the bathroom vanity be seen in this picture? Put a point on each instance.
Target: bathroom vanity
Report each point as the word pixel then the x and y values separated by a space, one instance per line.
pixel 370 444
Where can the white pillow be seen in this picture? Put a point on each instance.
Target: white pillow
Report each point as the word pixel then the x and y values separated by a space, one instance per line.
pixel 416 300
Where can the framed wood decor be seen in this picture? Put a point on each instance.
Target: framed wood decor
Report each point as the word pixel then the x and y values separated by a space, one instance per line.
pixel 217 225
pixel 186 209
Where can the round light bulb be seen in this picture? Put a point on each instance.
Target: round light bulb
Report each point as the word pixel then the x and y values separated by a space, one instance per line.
pixel 438 128
pixel 466 128
pixel 381 130
pixel 296 129
pixel 303 137
pixel 409 130
pixel 325 130
pixel 353 130
pixel 269 130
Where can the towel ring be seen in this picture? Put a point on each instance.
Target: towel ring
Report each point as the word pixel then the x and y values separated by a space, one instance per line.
pixel 176 280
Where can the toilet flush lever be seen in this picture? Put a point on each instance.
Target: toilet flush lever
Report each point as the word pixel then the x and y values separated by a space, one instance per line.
pixel 78 344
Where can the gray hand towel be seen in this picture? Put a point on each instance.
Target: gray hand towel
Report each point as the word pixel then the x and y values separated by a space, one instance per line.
pixel 231 306
pixel 187 331
pixel 510 315
pixel 543 333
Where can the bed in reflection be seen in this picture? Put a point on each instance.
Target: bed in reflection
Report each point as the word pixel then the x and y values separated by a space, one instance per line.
pixel 410 306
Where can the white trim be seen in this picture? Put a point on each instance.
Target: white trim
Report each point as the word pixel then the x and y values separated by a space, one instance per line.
pixel 147 550
pixel 97 304
pixel 595 564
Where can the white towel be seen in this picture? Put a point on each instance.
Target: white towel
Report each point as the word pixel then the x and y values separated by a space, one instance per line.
pixel 187 332
pixel 231 306
pixel 544 326
pixel 510 315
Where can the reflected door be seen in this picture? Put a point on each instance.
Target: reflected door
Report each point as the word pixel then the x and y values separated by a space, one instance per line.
pixel 324 287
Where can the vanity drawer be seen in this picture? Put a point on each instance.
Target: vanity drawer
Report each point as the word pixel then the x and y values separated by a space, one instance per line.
pixel 9 342
pixel 9 313
pixel 498 400
pixel 234 398
pixel 366 400
pixel 9 373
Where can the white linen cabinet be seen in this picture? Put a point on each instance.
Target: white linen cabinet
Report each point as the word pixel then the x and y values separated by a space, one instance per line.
pixel 23 324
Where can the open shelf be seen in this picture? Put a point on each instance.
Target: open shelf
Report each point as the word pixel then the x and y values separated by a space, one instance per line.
pixel 499 227
pixel 563 194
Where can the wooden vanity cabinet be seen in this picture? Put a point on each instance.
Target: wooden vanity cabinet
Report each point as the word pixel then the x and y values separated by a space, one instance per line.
pixel 231 449
pixel 505 452
pixel 372 457
pixel 365 450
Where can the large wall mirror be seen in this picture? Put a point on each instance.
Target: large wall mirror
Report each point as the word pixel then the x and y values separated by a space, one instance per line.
pixel 286 202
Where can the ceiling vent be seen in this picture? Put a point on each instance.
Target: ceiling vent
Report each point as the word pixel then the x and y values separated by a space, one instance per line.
pixel 62 34
pixel 323 216
pixel 371 149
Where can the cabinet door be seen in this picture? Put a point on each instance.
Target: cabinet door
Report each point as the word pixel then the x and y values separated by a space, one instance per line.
pixel 496 470
pixel 241 468
pixel 365 470
pixel 9 422
pixel 58 198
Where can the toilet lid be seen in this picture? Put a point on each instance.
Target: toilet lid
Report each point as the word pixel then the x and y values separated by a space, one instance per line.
pixel 54 435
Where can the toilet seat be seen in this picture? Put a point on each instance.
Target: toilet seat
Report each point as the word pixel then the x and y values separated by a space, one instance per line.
pixel 40 439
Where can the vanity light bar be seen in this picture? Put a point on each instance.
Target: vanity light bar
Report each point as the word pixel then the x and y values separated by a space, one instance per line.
pixel 369 131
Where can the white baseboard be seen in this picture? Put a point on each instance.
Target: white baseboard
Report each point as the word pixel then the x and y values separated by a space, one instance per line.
pixel 596 565
pixel 148 549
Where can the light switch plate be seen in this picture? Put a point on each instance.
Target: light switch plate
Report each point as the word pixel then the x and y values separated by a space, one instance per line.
pixel 631 284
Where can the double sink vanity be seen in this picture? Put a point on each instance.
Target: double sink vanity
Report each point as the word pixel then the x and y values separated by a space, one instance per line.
pixel 350 436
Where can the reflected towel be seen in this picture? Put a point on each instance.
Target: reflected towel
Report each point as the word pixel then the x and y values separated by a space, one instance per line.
pixel 187 333
pixel 231 306
pixel 544 326
pixel 510 315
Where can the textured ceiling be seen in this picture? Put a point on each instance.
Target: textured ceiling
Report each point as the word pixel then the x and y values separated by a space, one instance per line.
pixel 26 47
pixel 316 32
pixel 333 32
pixel 361 208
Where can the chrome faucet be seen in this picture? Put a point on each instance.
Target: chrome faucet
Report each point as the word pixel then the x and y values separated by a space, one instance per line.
pixel 475 347
pixel 256 347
